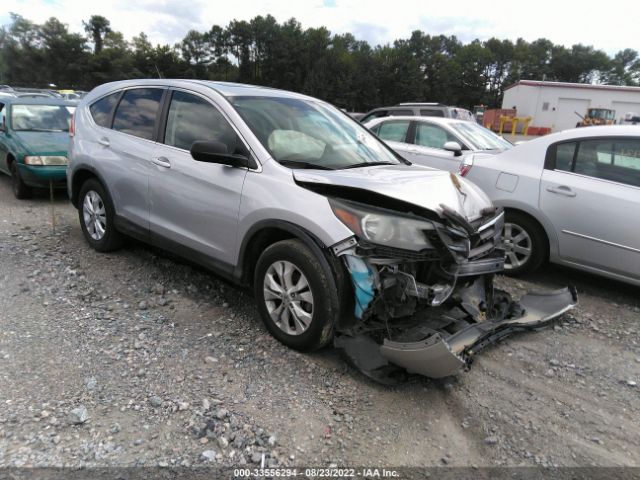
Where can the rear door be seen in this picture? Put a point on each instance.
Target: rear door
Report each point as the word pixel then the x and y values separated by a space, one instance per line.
pixel 590 190
pixel 124 152
pixel 396 134
pixel 194 204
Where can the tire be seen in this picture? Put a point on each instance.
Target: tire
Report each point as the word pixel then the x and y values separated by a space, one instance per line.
pixel 20 189
pixel 521 232
pixel 282 267
pixel 98 227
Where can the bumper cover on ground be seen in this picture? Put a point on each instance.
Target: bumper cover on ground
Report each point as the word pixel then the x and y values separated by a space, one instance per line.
pixel 438 357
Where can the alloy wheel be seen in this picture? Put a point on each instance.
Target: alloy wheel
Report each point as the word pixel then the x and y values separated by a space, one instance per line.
pixel 288 297
pixel 94 215
pixel 518 246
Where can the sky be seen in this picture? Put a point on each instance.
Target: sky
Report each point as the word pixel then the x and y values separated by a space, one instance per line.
pixel 607 25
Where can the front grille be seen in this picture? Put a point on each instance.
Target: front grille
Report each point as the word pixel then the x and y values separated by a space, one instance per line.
pixel 391 252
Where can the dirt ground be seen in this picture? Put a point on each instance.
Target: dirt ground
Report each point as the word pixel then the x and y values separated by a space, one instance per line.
pixel 135 358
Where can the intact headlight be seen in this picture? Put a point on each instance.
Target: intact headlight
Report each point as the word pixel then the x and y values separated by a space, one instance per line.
pixel 383 228
pixel 50 160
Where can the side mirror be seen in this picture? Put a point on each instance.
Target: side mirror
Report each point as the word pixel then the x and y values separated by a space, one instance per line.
pixel 454 147
pixel 219 152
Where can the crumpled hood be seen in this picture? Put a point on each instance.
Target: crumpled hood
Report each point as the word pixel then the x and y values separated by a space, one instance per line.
pixel 44 142
pixel 422 186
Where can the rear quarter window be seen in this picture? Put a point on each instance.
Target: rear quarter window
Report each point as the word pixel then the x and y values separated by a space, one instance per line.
pixel 102 110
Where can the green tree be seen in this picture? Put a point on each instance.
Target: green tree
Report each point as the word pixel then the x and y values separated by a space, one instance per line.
pixel 97 28
pixel 625 68
pixel 65 57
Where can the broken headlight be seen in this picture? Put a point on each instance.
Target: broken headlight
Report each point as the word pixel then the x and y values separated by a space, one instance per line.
pixel 382 227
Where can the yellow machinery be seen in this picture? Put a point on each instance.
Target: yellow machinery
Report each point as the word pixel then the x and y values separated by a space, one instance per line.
pixel 597 116
pixel 514 123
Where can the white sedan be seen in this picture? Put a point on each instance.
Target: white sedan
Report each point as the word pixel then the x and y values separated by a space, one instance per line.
pixel 572 198
pixel 436 142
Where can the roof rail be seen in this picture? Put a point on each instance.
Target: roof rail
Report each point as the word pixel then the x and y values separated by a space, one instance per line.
pixel 431 104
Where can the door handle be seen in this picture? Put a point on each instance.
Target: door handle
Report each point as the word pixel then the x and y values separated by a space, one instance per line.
pixel 104 142
pixel 562 190
pixel 161 162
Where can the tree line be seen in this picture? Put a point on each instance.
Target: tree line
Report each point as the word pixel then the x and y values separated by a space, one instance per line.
pixel 339 68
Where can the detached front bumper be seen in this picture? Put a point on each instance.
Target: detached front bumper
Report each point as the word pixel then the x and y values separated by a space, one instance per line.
pixel 439 356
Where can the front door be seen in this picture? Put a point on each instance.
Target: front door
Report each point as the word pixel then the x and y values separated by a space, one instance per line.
pixel 428 147
pixel 195 204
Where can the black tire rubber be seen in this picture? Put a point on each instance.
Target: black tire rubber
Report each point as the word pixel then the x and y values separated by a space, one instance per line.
pixel 326 304
pixel 20 189
pixel 539 242
pixel 112 239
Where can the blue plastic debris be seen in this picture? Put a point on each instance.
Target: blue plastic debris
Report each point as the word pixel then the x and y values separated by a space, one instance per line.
pixel 362 277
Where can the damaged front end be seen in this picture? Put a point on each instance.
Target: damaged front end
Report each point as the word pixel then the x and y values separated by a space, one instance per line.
pixel 423 288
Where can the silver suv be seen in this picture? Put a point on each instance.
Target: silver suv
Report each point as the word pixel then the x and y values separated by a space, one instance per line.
pixel 424 109
pixel 340 238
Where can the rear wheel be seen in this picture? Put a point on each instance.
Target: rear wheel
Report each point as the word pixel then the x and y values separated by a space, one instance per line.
pixel 20 189
pixel 525 244
pixel 96 213
pixel 296 299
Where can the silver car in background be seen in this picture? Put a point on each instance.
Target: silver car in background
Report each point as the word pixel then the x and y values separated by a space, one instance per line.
pixel 436 142
pixel 340 239
pixel 572 198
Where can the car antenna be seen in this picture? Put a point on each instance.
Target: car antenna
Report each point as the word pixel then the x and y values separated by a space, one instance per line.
pixel 157 70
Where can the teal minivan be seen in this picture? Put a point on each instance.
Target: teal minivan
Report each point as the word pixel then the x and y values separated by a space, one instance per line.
pixel 34 139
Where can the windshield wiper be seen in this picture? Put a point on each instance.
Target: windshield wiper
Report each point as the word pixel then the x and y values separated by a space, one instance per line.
pixel 303 164
pixel 367 164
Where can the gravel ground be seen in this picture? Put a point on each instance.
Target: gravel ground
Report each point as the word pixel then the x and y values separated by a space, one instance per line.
pixel 135 358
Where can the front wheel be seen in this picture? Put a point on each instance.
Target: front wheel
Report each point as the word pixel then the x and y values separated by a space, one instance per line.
pixel 524 243
pixel 20 189
pixel 296 299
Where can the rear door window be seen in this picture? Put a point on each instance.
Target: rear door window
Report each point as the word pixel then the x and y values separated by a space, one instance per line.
pixel 400 113
pixel 617 160
pixel 102 110
pixel 394 131
pixel 137 112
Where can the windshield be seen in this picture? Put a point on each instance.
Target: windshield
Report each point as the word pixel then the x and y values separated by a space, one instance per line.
pixel 41 118
pixel 480 138
pixel 600 113
pixel 309 134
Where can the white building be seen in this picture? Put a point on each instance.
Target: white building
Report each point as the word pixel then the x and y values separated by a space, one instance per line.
pixel 553 104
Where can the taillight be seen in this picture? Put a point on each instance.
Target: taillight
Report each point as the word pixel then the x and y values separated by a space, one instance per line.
pixel 72 125
pixel 465 166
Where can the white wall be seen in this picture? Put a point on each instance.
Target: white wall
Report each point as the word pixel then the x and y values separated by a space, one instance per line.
pixel 530 100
